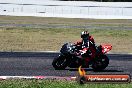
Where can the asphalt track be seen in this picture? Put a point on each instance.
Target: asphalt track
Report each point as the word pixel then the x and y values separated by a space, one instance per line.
pixel 58 26
pixel 39 63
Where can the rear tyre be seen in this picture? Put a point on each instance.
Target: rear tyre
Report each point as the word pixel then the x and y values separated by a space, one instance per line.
pixel 101 63
pixel 60 63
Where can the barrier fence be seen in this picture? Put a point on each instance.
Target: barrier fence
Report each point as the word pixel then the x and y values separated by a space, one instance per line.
pixel 67 9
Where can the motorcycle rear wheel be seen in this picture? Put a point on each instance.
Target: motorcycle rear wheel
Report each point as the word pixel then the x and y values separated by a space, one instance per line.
pixel 101 63
pixel 60 63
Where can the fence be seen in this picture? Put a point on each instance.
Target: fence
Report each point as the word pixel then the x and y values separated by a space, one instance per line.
pixel 72 9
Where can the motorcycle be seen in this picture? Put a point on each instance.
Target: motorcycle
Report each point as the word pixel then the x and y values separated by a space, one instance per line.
pixel 94 57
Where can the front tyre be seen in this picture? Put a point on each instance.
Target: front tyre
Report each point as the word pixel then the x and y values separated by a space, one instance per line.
pixel 100 63
pixel 60 63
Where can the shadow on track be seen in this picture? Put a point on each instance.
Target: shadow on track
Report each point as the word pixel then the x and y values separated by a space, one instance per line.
pixel 88 69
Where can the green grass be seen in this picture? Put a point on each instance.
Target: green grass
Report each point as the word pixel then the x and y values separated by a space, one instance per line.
pixel 65 21
pixel 29 39
pixel 33 39
pixel 17 38
pixel 56 84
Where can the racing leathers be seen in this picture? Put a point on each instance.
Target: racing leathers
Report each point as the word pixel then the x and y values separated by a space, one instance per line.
pixel 86 49
pixel 83 44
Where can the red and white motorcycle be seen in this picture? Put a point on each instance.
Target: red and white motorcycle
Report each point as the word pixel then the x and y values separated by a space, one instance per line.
pixel 95 56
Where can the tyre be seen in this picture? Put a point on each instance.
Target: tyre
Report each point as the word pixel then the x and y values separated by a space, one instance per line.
pixel 100 63
pixel 60 63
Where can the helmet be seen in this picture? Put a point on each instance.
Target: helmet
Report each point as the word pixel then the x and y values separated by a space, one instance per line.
pixel 84 34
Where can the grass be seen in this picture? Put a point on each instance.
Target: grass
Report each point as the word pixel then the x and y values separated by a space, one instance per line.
pixel 55 84
pixel 19 38
pixel 65 21
pixel 29 39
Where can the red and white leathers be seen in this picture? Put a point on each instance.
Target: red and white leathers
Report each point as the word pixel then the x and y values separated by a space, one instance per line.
pixel 82 49
pixel 81 41
pixel 80 46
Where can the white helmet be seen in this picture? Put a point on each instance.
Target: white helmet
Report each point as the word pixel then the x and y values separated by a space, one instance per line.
pixel 84 34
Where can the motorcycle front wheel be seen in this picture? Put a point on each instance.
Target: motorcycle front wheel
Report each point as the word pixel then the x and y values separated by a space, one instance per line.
pixel 60 63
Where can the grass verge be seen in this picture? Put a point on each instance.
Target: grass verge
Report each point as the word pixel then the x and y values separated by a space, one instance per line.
pixel 62 21
pixel 29 38
pixel 55 84
pixel 33 39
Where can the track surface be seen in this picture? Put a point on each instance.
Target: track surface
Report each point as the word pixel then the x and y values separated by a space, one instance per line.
pixel 87 26
pixel 39 63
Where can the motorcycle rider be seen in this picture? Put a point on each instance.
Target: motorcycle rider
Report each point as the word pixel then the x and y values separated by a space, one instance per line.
pixel 85 45
pixel 86 38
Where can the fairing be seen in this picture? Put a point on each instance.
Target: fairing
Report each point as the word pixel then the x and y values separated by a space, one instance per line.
pixel 106 48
